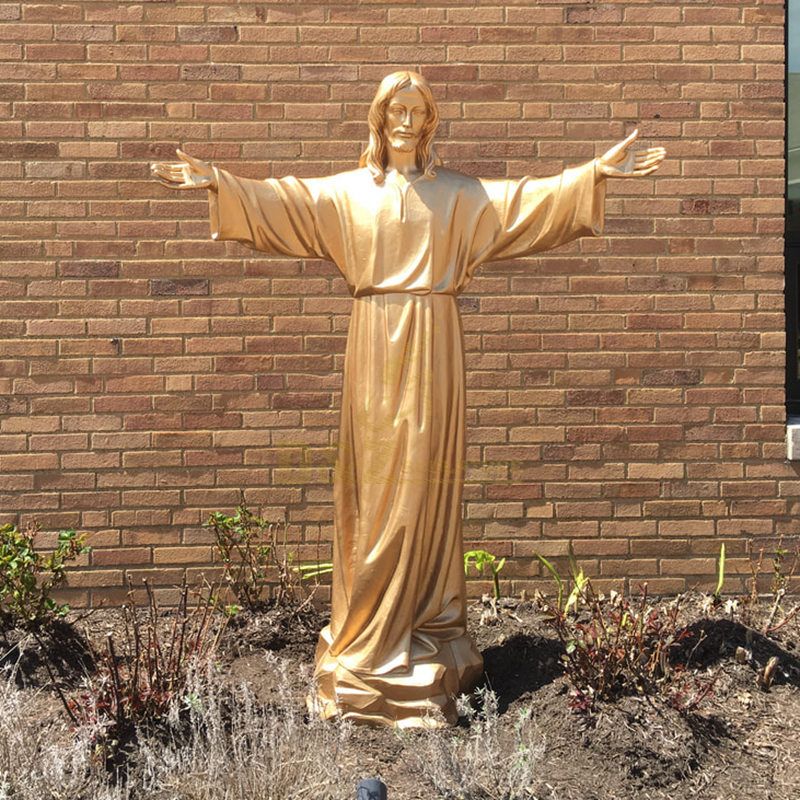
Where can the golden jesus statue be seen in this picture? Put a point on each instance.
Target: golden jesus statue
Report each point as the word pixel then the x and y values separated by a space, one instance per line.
pixel 407 234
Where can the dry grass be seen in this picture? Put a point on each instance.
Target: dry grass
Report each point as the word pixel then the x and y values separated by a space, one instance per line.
pixel 39 762
pixel 481 763
pixel 216 742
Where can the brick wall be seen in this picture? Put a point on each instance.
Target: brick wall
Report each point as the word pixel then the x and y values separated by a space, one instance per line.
pixel 625 393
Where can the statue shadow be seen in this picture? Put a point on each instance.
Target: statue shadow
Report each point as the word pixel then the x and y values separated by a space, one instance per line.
pixel 519 666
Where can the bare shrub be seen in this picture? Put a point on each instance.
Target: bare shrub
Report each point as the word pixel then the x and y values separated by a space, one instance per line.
pixel 749 607
pixel 254 555
pixel 482 763
pixel 135 687
pixel 616 645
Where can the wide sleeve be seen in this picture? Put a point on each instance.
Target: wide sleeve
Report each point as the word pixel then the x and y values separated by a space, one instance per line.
pixel 529 215
pixel 281 216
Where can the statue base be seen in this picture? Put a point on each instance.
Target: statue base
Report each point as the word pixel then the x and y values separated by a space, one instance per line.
pixel 421 695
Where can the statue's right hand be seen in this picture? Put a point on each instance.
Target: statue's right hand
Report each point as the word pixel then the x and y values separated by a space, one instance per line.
pixel 189 173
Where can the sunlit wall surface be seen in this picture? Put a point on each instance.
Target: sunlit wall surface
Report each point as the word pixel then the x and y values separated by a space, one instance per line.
pixel 793 206
pixel 793 115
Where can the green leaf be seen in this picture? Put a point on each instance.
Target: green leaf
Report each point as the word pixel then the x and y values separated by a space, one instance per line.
pixel 480 557
pixel 720 570
pixel 313 570
pixel 556 577
pixel 572 600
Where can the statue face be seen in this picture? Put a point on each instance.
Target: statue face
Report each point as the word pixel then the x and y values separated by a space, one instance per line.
pixel 406 115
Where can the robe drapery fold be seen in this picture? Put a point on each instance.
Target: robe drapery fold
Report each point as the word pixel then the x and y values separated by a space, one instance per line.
pixel 396 650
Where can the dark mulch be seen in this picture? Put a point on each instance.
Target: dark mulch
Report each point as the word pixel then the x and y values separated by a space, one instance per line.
pixel 276 629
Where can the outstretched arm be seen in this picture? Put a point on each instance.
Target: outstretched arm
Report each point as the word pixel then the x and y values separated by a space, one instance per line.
pixel 280 216
pixel 528 215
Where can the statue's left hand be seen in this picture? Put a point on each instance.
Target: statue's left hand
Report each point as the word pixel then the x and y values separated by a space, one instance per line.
pixel 622 162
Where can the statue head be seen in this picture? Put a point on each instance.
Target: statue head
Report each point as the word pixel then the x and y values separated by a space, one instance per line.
pixel 391 126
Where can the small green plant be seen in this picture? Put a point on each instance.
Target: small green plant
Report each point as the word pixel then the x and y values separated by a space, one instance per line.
pixel 615 646
pixel 780 579
pixel 482 558
pixel 28 577
pixel 749 605
pixel 252 556
pixel 713 601
pixel 230 610
pixel 258 567
pixel 579 581
pixel 720 573
pixel 244 552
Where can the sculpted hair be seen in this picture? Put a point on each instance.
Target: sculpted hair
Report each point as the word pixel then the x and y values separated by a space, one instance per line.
pixel 375 157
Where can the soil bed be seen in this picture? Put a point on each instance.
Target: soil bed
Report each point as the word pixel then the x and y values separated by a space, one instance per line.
pixel 742 742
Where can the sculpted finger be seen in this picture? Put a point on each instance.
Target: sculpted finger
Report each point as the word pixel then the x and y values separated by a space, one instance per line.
pixel 169 184
pixel 611 172
pixel 632 138
pixel 166 169
pixel 175 177
pixel 186 157
pixel 160 170
pixel 621 150
pixel 616 155
pixel 646 162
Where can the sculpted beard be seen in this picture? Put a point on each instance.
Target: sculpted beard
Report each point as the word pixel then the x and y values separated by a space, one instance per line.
pixel 402 143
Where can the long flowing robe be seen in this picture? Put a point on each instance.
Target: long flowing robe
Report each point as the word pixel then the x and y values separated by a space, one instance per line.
pixel 396 650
